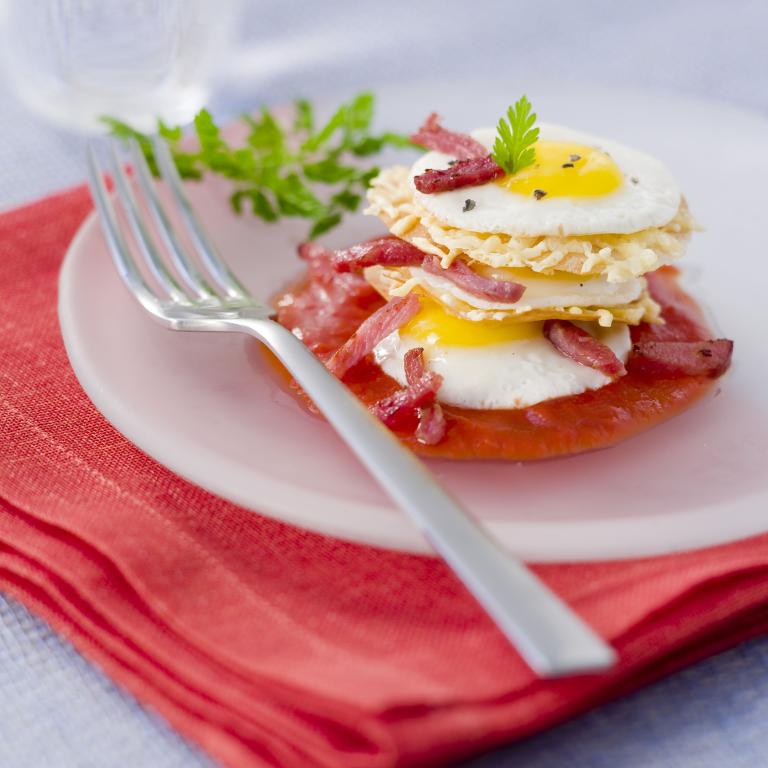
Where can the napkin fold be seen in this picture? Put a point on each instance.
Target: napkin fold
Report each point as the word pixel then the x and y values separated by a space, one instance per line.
pixel 269 645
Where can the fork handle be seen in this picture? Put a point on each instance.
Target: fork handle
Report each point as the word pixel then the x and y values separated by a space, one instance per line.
pixel 551 638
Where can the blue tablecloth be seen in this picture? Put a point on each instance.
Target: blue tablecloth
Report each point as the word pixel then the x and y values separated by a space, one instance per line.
pixel 56 709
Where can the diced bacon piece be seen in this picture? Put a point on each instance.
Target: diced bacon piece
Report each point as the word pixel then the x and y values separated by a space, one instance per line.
pixel 376 327
pixel 432 425
pixel 581 347
pixel 400 411
pixel 676 306
pixel 321 308
pixel 432 135
pixel 319 261
pixel 679 347
pixel 690 358
pixel 416 373
pixel 387 251
pixel 475 166
pixel 464 173
pixel 413 364
pixel 414 408
pixel 467 279
pixel 312 252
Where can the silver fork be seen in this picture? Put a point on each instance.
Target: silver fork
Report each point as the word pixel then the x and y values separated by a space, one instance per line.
pixel 552 639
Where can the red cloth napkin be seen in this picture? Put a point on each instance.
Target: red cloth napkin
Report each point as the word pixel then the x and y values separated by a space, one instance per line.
pixel 268 645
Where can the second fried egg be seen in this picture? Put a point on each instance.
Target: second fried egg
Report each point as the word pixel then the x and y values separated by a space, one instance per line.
pixel 492 365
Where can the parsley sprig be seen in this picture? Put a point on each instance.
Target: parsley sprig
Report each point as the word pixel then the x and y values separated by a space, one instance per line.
pixel 296 170
pixel 513 148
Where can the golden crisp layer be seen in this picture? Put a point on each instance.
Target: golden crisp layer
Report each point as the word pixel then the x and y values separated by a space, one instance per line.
pixel 391 282
pixel 616 257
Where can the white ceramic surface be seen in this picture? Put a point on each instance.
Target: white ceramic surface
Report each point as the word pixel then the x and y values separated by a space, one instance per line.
pixel 207 406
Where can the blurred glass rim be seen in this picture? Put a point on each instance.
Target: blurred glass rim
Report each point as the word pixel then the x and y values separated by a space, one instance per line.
pixel 76 91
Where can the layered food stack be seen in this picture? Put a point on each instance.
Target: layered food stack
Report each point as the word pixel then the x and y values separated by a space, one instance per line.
pixel 525 266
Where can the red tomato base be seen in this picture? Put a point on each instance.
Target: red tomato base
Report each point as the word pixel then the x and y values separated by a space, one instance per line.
pixel 325 312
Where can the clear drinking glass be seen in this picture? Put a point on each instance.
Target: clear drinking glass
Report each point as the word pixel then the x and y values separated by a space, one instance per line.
pixel 73 61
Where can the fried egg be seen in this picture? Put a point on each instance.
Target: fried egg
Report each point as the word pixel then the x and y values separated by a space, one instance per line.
pixel 564 296
pixel 578 185
pixel 541 291
pixel 617 257
pixel 492 365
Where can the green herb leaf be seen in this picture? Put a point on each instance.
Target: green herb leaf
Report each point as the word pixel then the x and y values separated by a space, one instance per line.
pixel 282 170
pixel 360 112
pixel 513 148
pixel 336 121
pixel 295 198
pixel 260 205
pixel 305 116
pixel 329 171
pixel 347 200
pixel 171 134
pixel 325 224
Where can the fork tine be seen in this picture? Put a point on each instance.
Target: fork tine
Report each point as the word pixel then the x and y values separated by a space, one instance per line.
pixel 219 271
pixel 190 276
pixel 121 253
pixel 144 240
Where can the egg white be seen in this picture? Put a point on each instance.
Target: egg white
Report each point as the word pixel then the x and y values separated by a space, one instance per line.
pixel 514 374
pixel 539 293
pixel 651 202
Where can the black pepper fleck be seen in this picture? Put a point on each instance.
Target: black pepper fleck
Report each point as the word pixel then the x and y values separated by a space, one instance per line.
pixel 581 285
pixel 634 179
pixel 468 205
pixel 539 193
pixel 567 165
pixel 574 158
pixel 636 349
pixel 452 162
pixel 706 352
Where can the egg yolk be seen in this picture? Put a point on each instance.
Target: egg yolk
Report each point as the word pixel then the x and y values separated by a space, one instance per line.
pixel 565 169
pixel 527 275
pixel 434 326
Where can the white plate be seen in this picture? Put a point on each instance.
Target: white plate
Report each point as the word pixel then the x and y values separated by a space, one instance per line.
pixel 206 405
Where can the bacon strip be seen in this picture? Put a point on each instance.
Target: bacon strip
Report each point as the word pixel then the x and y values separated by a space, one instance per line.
pixel 664 289
pixel 414 408
pixel 432 424
pixel 390 251
pixel 387 251
pixel 460 274
pixel 465 173
pixel 374 328
pixel 581 347
pixel 690 358
pixel 432 135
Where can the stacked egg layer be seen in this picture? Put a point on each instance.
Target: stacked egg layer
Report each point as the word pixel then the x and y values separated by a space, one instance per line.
pixel 578 230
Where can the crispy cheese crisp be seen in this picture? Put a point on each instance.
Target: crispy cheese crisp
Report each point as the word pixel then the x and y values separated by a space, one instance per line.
pixel 395 281
pixel 615 257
